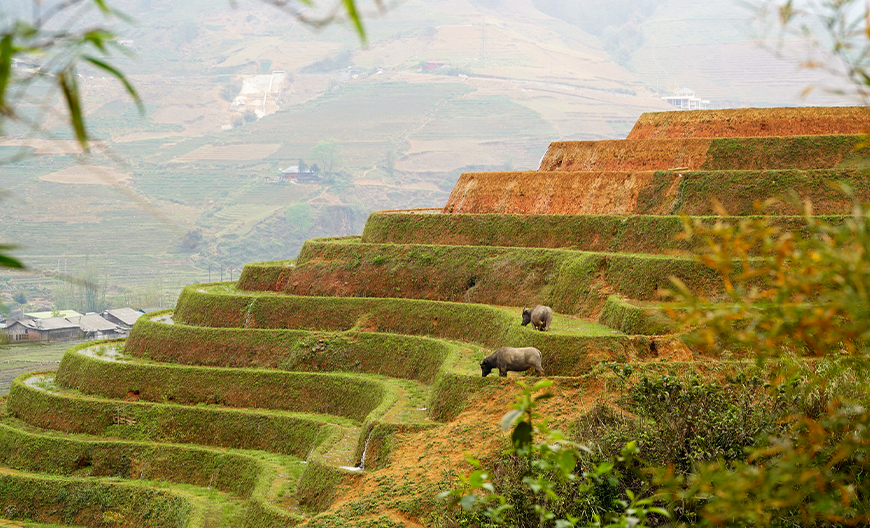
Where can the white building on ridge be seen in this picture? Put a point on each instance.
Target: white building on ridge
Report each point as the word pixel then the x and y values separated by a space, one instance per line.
pixel 685 100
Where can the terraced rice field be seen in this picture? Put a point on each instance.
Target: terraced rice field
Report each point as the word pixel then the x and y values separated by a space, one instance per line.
pixel 343 388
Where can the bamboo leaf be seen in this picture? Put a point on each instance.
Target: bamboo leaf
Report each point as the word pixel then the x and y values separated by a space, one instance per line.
pixel 121 77
pixel 5 70
pixel 6 261
pixel 102 5
pixel 66 80
pixel 98 37
pixel 352 12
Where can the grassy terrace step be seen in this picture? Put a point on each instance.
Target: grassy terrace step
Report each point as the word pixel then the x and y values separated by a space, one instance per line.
pixel 301 435
pixel 339 395
pixel 794 152
pixel 745 122
pixel 566 352
pixel 240 474
pixel 397 356
pixel 662 192
pixel 602 233
pixel 94 503
pixel 571 282
pixel 635 318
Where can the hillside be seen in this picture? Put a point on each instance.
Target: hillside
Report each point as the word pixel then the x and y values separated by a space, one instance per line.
pixel 343 388
pixel 187 193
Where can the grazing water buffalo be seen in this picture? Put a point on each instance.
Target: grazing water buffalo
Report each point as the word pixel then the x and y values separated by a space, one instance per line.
pixel 515 359
pixel 540 316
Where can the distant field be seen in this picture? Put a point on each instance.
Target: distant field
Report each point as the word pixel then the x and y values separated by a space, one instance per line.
pixel 30 357
pixel 244 152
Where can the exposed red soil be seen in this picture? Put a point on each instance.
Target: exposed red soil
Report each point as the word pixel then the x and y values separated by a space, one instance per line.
pixel 746 122
pixel 626 155
pixel 599 192
pixel 422 459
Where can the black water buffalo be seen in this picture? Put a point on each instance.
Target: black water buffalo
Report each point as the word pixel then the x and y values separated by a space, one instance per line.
pixel 540 316
pixel 515 359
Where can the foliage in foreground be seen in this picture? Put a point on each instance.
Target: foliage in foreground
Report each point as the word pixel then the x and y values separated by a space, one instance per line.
pixel 550 479
pixel 787 446
pixel 794 295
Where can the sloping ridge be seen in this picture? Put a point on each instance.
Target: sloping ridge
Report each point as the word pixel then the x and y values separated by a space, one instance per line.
pixel 746 122
pixel 668 153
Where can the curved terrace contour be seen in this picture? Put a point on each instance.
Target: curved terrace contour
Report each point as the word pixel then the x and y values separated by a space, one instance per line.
pixel 306 391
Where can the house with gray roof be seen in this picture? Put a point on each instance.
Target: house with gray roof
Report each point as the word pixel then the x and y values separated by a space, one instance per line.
pixel 124 317
pixel 41 330
pixel 95 327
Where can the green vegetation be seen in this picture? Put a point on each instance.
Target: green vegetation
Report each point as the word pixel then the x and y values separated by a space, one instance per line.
pixel 567 353
pixel 285 433
pixel 634 319
pixel 559 278
pixel 297 392
pixel 403 357
pixel 45 498
pixel 28 357
pixel 797 152
pixel 287 386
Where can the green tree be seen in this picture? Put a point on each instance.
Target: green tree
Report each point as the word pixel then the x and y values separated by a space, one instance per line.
pixel 84 292
pixel 300 216
pixel 328 155
pixel 389 162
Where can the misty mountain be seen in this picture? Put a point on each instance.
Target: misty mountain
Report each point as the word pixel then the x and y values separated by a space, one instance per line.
pixel 236 94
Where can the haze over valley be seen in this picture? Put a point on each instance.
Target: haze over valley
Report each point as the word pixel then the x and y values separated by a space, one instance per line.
pixel 193 190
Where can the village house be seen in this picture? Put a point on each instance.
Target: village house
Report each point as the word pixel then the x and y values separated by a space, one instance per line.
pixel 69 326
pixel 41 330
pixel 95 327
pixel 123 317
pixel 431 66
pixel 294 174
pixel 50 313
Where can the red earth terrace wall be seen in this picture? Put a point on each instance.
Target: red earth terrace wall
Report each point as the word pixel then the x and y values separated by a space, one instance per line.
pixel 548 192
pixel 626 155
pixel 744 153
pixel 746 122
pixel 651 192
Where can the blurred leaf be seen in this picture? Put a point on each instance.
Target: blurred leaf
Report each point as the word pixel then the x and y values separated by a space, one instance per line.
pixel 120 76
pixel 507 421
pixel 350 6
pixel 5 72
pixel 477 478
pixel 522 435
pixel 467 502
pixel 66 80
pixel 542 384
pixel 6 261
pixel 566 461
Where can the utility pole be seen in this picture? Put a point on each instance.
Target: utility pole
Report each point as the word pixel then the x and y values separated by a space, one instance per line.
pixel 484 42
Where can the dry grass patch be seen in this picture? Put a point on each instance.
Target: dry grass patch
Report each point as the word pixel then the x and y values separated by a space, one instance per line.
pixel 88 175
pixel 246 152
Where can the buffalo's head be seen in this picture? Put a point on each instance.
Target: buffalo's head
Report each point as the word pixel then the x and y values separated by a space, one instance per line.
pixel 486 367
pixel 527 316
